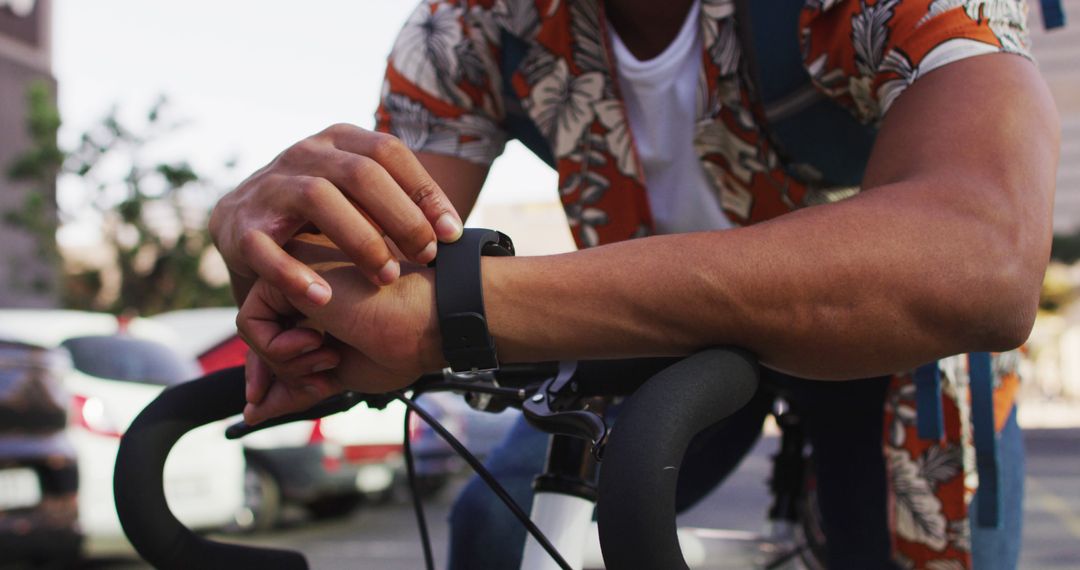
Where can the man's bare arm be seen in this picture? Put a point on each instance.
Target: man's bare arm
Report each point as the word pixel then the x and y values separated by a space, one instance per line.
pixel 943 253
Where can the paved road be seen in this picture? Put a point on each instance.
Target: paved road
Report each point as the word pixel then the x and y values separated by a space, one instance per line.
pixel 385 537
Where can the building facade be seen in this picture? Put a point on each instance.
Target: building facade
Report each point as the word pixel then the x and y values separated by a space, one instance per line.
pixel 1058 53
pixel 27 279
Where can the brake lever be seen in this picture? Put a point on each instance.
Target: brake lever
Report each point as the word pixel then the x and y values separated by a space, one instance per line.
pixel 547 410
pixel 332 405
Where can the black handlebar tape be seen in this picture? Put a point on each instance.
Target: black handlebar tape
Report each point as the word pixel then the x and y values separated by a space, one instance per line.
pixel 617 377
pixel 137 483
pixel 636 508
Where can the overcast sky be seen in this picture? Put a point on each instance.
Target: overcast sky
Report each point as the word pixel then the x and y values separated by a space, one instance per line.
pixel 251 76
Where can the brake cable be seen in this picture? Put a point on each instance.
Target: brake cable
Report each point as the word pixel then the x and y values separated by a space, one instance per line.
pixel 418 508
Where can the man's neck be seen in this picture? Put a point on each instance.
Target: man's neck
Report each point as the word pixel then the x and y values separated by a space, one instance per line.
pixel 647 27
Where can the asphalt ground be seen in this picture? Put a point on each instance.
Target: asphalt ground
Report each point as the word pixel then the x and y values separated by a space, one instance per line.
pixel 384 537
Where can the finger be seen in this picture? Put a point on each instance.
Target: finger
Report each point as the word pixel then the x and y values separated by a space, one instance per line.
pixel 285 397
pixel 291 343
pixel 320 360
pixel 321 202
pixel 400 162
pixel 260 321
pixel 266 258
pixel 379 196
pixel 256 378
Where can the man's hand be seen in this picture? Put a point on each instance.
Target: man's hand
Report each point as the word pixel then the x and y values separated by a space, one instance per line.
pixel 354 186
pixel 377 339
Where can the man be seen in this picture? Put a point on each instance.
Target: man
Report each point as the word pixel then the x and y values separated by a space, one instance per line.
pixel 941 253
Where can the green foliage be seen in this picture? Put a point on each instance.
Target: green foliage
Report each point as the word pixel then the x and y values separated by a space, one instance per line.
pixel 43 160
pixel 152 211
pixel 36 170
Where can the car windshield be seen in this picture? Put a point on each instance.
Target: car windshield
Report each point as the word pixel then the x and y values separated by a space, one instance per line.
pixel 130 359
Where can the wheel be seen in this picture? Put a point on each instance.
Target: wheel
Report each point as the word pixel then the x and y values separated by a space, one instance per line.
pixel 262 498
pixel 333 507
pixel 809 530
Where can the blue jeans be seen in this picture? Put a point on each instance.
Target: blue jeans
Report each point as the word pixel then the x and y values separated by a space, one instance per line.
pixel 999 549
pixel 843 423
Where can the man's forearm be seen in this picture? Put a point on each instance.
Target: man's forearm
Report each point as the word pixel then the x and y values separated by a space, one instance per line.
pixel 884 281
pixel 942 253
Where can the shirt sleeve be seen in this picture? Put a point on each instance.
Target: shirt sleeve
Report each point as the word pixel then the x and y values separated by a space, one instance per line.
pixel 864 53
pixel 441 93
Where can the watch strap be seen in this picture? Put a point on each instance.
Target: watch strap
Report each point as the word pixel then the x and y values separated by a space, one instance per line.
pixel 459 296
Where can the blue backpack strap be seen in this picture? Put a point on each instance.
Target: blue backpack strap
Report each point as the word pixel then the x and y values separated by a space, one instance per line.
pixel 1053 14
pixel 517 123
pixel 929 415
pixel 986 446
pixel 804 126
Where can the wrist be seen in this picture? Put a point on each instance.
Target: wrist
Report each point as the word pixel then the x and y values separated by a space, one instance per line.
pixel 467 344
pixel 430 335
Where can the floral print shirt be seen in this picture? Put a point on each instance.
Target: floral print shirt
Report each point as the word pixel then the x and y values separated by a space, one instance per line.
pixel 466 75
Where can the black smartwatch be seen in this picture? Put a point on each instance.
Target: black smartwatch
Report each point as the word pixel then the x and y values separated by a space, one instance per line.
pixel 467 344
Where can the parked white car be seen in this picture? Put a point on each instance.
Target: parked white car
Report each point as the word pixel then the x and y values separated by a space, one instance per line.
pixel 118 368
pixel 326 466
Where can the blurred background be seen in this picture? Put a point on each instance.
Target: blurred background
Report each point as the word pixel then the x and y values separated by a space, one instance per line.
pixel 121 124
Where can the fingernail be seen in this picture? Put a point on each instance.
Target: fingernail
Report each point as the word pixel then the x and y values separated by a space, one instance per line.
pixel 428 253
pixel 389 272
pixel 309 348
pixel 318 293
pixel 448 228
pixel 322 367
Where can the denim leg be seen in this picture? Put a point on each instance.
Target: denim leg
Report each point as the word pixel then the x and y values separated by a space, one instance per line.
pixel 843 422
pixel 484 534
pixel 999 548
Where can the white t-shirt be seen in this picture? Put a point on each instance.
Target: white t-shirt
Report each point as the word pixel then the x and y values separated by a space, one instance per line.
pixel 660 96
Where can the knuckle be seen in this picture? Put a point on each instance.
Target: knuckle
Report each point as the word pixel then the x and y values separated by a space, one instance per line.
pixel 359 171
pixel 426 193
pixel 249 242
pixel 338 130
pixel 310 189
pixel 300 153
pixel 387 148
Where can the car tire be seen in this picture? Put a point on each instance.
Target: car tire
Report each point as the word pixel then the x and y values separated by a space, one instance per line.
pixel 262 498
pixel 335 506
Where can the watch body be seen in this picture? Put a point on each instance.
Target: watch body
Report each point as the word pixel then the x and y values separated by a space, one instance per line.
pixel 467 345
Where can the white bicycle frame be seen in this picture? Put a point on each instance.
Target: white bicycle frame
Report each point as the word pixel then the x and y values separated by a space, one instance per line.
pixel 566 521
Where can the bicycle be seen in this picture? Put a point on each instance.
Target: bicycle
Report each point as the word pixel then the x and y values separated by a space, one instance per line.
pixel 667 402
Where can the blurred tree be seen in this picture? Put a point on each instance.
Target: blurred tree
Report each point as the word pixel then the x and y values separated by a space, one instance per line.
pixel 37 168
pixel 152 212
